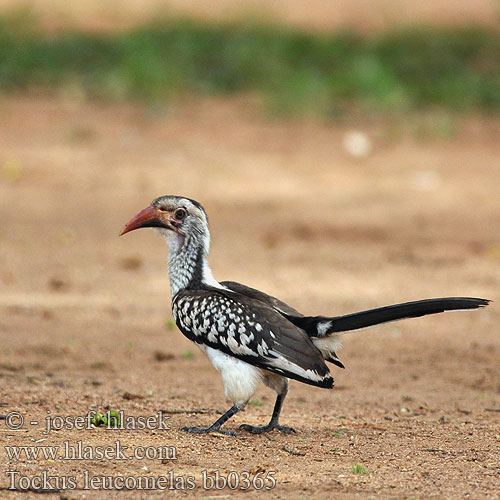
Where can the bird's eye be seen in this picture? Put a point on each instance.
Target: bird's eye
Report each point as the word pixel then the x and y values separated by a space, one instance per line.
pixel 180 214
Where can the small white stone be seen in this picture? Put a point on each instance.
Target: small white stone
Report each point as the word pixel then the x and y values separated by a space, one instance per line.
pixel 357 144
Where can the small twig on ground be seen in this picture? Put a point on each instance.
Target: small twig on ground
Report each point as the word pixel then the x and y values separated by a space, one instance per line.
pixel 293 452
pixel 196 411
pixel 129 396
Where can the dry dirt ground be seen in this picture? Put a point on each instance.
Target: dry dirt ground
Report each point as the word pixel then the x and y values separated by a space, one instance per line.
pixel 360 15
pixel 84 314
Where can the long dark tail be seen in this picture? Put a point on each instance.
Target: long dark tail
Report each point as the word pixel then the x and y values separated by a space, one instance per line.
pixel 320 326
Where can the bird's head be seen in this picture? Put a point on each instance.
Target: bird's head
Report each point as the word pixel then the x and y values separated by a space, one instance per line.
pixel 175 217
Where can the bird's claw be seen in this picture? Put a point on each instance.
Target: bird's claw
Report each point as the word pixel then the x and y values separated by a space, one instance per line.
pixel 267 428
pixel 286 430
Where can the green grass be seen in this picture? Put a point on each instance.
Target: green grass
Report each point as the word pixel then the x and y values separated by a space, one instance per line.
pixel 292 71
pixel 110 419
pixel 186 354
pixel 255 402
pixel 170 324
pixel 343 431
pixel 360 469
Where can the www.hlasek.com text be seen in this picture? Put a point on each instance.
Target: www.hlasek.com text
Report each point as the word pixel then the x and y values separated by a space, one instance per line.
pixel 80 451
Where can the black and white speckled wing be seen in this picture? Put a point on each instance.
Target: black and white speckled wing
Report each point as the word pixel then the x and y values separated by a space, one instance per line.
pixel 251 331
pixel 288 312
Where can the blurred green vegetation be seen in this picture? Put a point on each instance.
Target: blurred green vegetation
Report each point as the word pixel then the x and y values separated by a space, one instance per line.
pixel 293 72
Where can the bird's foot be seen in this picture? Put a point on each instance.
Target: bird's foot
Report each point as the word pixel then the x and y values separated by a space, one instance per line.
pixel 267 428
pixel 207 430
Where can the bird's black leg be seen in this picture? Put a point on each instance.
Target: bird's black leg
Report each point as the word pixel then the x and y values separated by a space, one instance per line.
pixel 216 426
pixel 273 424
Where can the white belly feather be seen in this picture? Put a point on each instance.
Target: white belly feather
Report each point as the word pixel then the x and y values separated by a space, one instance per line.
pixel 240 379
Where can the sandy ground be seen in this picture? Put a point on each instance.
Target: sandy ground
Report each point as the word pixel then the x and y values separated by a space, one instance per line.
pixel 359 15
pixel 83 313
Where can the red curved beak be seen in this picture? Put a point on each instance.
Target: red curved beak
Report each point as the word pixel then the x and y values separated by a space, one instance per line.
pixel 149 217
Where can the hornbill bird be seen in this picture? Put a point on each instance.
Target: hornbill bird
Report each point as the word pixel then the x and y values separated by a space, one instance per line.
pixel 250 336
